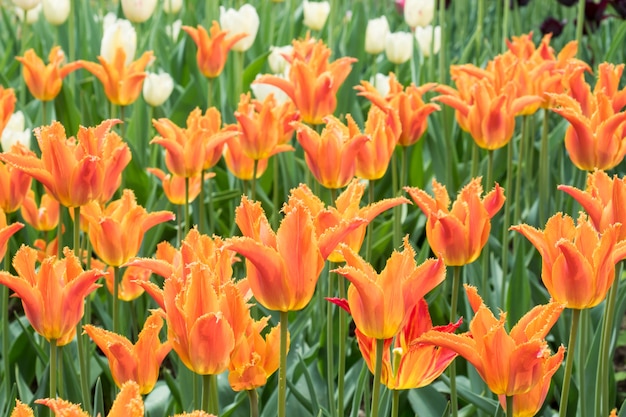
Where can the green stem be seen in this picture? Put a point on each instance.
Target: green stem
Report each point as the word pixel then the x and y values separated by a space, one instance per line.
pixel 456 284
pixel 330 342
pixel 211 212
pixel 378 367
pixel 479 29
pixel 582 354
pixel 255 167
pixel 475 160
pixel 282 370
pixel 43 113
pixel 580 23
pixel 238 75
pixel 397 225
pixel 505 23
pixel 505 222
pixel 214 403
pixel 72 39
pixel 342 350
pixel 275 193
pixel 210 90
pixel 395 403
pixel 180 226
pixel 4 307
pixel 76 234
pixel 54 350
pixel 370 225
pixel 253 397
pixel 187 208
pixel 116 289
pixel 544 170
pixel 486 251
pixel 509 406
pixel 60 233
pixel 602 375
pixel 520 170
pixel 201 203
pixel 206 392
pixel 569 363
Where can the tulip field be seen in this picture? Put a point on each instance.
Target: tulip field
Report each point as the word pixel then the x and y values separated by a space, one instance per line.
pixel 364 208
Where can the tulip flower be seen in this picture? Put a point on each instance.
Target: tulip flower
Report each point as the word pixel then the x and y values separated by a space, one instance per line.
pixel 7 105
pixel 173 30
pixel 375 34
pixel 243 21
pixel 44 81
pixel 22 410
pixel 315 14
pixel 174 186
pixel 264 126
pixel 511 364
pixel 384 128
pixel 139 362
pixel 14 184
pixel 53 294
pixel 138 11
pixel 419 12
pixel 212 50
pixel 409 365
pixel 239 164
pixel 255 358
pixel 118 33
pixel 603 200
pixel 412 110
pixel 428 39
pixel 596 138
pixel 157 88
pixel 30 16
pixel 56 12
pixel 262 91
pixel 276 59
pixel 172 6
pixel 313 80
pixel 331 156
pixel 122 83
pixel 130 285
pixel 347 209
pixel 43 218
pixel 128 403
pixel 399 47
pixel 74 170
pixel 116 232
pixel 6 231
pixel 198 147
pixel 26 4
pixel 380 303
pixel 578 265
pixel 458 234
pixel 15 132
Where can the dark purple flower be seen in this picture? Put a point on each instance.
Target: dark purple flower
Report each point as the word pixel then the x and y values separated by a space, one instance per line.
pixel 568 3
pixel 553 26
pixel 620 7
pixel 520 3
pixel 594 14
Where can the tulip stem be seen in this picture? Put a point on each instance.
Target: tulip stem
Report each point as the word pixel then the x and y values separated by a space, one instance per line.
pixel 54 349
pixel 505 23
pixel 395 403
pixel 4 307
pixel 253 397
pixel 201 204
pixel 370 225
pixel 180 226
pixel 282 370
pixel 505 224
pixel 187 208
pixel 544 170
pixel 520 170
pixel 396 210
pixel 509 406
pixel 341 371
pixel 214 402
pixel 116 289
pixel 602 375
pixel 569 363
pixel 330 343
pixel 580 24
pixel 43 112
pixel 456 284
pixel 275 192
pixel 582 354
pixel 378 367
pixel 485 255
pixel 60 233
pixel 255 167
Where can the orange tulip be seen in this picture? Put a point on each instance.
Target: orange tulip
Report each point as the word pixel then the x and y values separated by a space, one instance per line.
pixel 14 183
pixel 115 155
pixel 22 410
pixel 43 218
pixel 116 231
pixel 46 249
pixel 408 103
pixel 511 364
pixel 140 362
pixel 604 200
pixel 284 266
pixel 129 287
pixel 380 303
pixel 240 165
pixel 122 84
pixel 313 80
pixel 596 137
pixel 73 170
pixel 529 404
pixel 196 148
pixel 265 127
pixel 174 186
pixel 409 365
pixel 458 235
pixel 53 295
pixel 6 231
pixel 331 156
pixel 45 81
pixel 7 106
pixel 578 265
pixel 212 50
pixel 128 403
pixel 383 127
pixel 205 320
pixel 255 358
pixel 347 209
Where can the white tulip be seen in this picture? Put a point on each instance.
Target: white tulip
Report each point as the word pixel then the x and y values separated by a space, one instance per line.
pixel 119 34
pixel 26 4
pixel 419 12
pixel 399 47
pixel 173 30
pixel 424 37
pixel 108 20
pixel 32 15
pixel 245 20
pixel 261 91
pixel 381 83
pixel 375 34
pixel 15 132
pixel 157 88
pixel 315 14
pixel 172 6
pixel 276 60
pixel 138 11
pixel 56 12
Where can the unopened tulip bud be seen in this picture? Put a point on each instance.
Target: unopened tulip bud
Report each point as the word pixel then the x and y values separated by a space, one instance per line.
pixel 138 11
pixel 56 12
pixel 381 83
pixel 419 12
pixel 375 34
pixel 399 47
pixel 244 20
pixel 26 4
pixel 424 37
pixel 157 88
pixel 261 91
pixel 276 59
pixel 172 6
pixel 32 15
pixel 173 30
pixel 119 34
pixel 315 14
